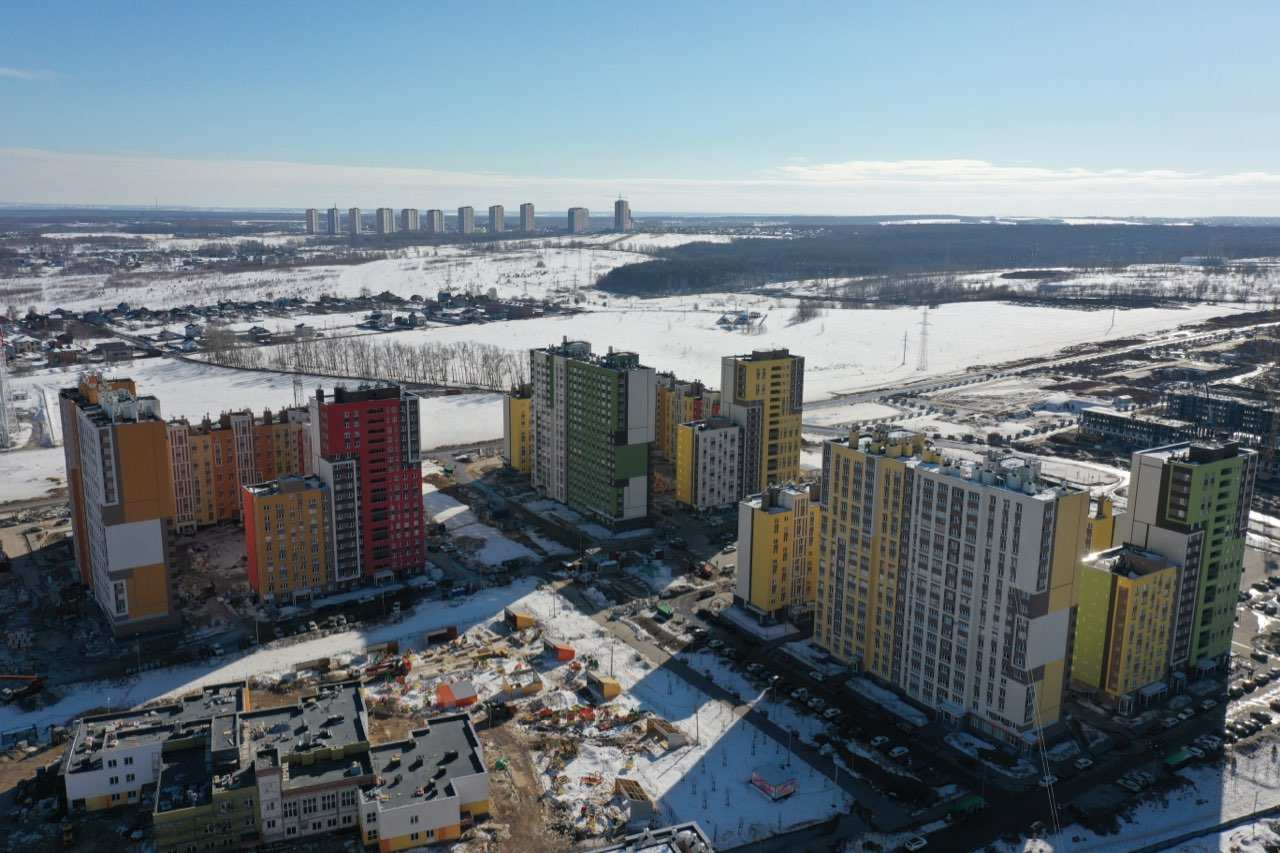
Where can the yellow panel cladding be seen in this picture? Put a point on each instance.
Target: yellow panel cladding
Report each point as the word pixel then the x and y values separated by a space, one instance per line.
pixel 519 442
pixel 685 463
pixel 868 621
pixel 1068 547
pixel 1100 533
pixel 1092 618
pixel 1049 692
pixel 664 419
pixel 769 381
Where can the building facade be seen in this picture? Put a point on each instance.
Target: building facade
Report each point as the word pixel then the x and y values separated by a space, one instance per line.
pixel 1134 429
pixel 1124 626
pixel 313 220
pixel 579 219
pixel 1189 503
pixel 517 429
pixel 592 425
pixel 435 221
pixel 122 506
pixel 365 448
pixel 763 393
pixel 409 219
pixel 466 220
pixel 776 577
pixel 862 559
pixel 708 474
pixel 209 461
pixel 385 221
pixel 953 581
pixel 676 402
pixel 528 222
pixel 286 530
pixel 497 219
pixel 621 215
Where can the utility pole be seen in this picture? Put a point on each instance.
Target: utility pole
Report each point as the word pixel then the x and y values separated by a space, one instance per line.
pixel 923 363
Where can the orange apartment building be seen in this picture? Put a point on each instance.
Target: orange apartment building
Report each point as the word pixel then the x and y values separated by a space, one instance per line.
pixel 212 460
pixel 286 530
pixel 122 504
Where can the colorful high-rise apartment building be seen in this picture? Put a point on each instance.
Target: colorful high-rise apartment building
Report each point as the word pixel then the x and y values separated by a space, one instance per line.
pixel 676 402
pixel 121 498
pixel 286 528
pixel 763 393
pixel 1190 503
pixel 708 475
pixel 955 581
pixel 592 425
pixel 365 447
pixel 211 459
pixel 517 428
pixel 776 578
pixel 1124 626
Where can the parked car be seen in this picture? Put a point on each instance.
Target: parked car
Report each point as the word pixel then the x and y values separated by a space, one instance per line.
pixel 914 843
pixel 1169 722
pixel 1186 714
pixel 898 753
pixel 715 644
pixel 800 694
pixel 816 704
pixel 878 741
pixel 1083 763
pixel 831 714
pixel 1047 780
pixel 1208 704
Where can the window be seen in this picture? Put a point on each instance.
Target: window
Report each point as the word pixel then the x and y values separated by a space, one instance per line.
pixel 115 798
pixel 128 759
pixel 290 808
pixel 291 830
pixel 111 762
pixel 128 777
pixel 271 824
pixel 349 798
pixel 114 780
pixel 120 593
pixel 248 820
pixel 413 820
pixel 309 805
pixel 329 802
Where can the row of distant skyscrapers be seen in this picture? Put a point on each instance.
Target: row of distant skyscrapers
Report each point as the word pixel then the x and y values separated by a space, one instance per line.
pixel 384 221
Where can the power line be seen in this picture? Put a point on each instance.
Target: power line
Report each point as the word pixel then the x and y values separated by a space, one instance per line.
pixel 923 362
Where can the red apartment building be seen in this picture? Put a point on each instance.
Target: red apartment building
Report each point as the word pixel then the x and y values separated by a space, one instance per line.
pixel 365 448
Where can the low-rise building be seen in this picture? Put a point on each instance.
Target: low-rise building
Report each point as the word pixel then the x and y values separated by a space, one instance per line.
pixel 1124 626
pixel 1133 429
pixel 427 788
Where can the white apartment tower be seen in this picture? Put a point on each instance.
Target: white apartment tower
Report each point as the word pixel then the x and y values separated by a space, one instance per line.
pixel 466 220
pixel 409 219
pixel 354 225
pixel 526 218
pixel 621 215
pixel 335 221
pixel 313 220
pixel 435 221
pixel 386 220
pixel 579 217
pixel 497 219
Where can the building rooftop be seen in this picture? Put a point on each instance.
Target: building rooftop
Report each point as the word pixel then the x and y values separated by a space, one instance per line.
pixel 712 423
pixel 174 720
pixel 1199 452
pixel 1128 561
pixel 342 394
pixel 764 355
pixel 1146 417
pixel 285 485
pixel 315 726
pixel 424 765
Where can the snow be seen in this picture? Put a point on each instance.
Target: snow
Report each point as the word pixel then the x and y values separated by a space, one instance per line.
pixel 704 781
pixel 268 660
pixel 835 415
pixel 845 350
pixel 31 473
pixel 193 389
pixel 889 700
pixel 458 519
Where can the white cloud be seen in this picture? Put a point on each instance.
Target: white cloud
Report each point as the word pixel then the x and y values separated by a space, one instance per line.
pixel 958 186
pixel 25 73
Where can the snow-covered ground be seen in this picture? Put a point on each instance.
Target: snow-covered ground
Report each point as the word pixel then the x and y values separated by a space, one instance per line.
pixel 190 389
pixel 31 473
pixel 836 415
pixel 460 521
pixel 707 780
pixel 845 350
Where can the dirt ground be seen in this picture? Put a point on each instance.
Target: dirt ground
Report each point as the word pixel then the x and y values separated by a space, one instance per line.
pixel 515 797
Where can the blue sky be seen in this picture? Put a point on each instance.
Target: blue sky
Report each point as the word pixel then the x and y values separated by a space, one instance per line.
pixel 1007 108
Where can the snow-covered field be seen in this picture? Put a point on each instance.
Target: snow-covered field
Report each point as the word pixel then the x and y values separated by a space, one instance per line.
pixel 845 350
pixel 460 521
pixel 26 474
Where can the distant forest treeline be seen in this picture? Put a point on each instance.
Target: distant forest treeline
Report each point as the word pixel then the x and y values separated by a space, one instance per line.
pixel 845 252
